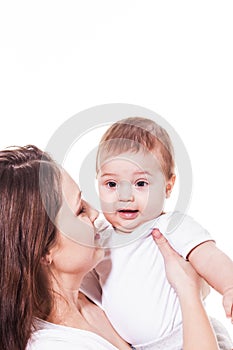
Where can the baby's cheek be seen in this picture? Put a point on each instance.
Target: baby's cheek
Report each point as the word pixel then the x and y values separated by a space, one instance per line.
pixel 107 206
pixel 108 196
pixel 111 217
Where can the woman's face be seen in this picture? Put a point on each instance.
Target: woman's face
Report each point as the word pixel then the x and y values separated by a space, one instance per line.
pixel 75 250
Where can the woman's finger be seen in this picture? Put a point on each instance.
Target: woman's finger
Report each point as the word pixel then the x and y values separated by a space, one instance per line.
pixel 164 247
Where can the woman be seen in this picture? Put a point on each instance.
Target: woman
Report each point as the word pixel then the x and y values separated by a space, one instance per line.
pixel 41 306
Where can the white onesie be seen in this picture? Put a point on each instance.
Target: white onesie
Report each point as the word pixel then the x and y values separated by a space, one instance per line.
pixel 136 296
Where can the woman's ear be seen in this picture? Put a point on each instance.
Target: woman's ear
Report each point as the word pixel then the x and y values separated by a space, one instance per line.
pixel 170 185
pixel 47 259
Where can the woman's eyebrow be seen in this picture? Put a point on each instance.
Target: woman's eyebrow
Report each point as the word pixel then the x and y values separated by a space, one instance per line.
pixel 79 197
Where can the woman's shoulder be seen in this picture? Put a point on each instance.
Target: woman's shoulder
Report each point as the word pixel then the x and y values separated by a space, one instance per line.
pixel 48 336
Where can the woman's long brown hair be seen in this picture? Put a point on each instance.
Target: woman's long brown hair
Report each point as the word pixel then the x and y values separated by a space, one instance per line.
pixel 30 197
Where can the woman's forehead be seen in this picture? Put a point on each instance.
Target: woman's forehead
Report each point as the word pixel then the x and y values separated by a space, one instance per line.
pixel 70 188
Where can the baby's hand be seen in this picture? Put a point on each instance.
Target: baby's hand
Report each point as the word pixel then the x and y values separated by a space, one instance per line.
pixel 228 303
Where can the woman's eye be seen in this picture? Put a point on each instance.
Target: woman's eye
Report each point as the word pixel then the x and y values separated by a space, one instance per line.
pixel 81 210
pixel 111 184
pixel 142 183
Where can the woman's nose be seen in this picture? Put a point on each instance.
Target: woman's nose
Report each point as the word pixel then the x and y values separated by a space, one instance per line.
pixel 91 212
pixel 93 215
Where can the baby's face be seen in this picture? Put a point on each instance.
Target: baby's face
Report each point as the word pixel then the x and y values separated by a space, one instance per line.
pixel 132 189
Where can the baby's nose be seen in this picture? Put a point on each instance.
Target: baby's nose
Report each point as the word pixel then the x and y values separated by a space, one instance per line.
pixel 125 191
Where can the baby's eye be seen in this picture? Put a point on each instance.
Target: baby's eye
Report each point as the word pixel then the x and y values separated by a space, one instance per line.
pixel 141 183
pixel 111 184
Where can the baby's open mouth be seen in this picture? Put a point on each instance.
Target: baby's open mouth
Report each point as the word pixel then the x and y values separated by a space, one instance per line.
pixel 128 214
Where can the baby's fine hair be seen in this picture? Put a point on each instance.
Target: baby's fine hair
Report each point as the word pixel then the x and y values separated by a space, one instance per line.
pixel 134 134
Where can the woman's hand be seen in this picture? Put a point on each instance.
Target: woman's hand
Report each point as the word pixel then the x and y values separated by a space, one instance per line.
pixel 180 274
pixel 197 331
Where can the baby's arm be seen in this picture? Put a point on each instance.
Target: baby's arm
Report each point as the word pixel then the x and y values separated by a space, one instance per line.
pixel 217 269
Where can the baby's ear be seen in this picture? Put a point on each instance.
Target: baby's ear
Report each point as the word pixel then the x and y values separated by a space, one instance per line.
pixel 170 185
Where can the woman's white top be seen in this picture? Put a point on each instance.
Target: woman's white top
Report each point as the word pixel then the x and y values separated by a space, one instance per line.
pixel 51 336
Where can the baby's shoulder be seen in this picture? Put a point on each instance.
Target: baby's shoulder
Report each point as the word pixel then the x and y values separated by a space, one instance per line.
pixel 177 220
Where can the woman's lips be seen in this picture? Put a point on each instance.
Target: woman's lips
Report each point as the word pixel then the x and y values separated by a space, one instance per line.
pixel 128 214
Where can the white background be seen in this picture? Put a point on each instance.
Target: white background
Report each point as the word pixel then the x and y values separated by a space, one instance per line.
pixel 174 57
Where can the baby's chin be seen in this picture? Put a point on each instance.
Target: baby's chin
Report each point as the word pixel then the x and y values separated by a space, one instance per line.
pixel 122 230
pixel 127 228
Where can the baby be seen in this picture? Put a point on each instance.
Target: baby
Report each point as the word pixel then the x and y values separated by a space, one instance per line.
pixel 136 173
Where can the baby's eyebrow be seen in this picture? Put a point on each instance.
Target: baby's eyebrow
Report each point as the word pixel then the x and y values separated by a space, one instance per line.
pixel 137 173
pixel 108 174
pixel 143 173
